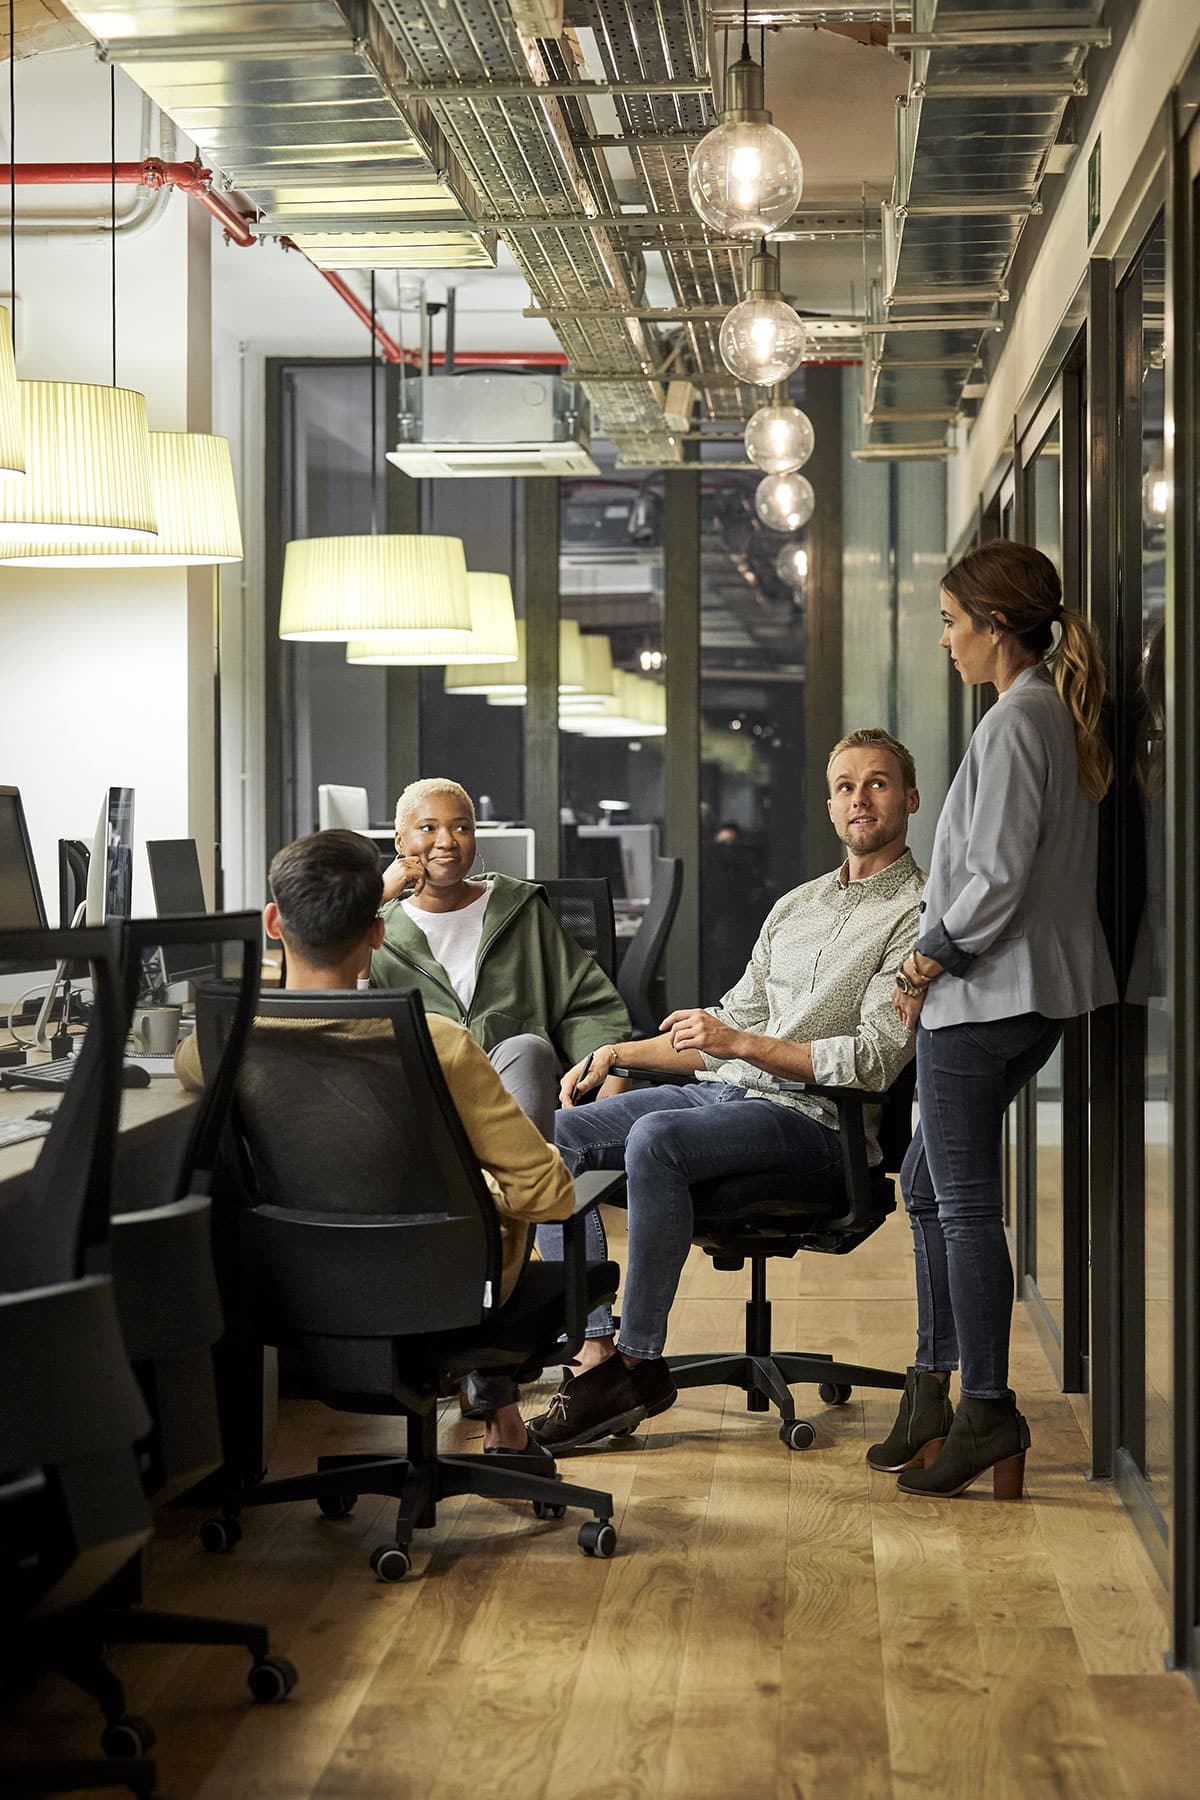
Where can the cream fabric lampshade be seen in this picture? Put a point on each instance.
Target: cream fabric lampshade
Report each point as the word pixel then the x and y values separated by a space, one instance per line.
pixel 504 683
pixel 194 500
pixel 371 587
pixel 12 432
pixel 493 637
pixel 87 467
pixel 598 676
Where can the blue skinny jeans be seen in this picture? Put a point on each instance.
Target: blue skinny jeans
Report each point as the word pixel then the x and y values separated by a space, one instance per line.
pixel 967 1075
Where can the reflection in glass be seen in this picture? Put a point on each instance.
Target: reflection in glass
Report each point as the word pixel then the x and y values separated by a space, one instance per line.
pixel 1147 983
pixel 610 732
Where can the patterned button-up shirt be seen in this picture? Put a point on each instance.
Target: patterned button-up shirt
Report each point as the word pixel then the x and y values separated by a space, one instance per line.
pixel 822 974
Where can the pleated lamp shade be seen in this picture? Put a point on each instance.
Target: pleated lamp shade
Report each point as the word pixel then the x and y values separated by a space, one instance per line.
pixel 504 683
pixel 637 709
pixel 87 467
pixel 492 639
pixel 597 676
pixel 12 432
pixel 192 478
pixel 343 588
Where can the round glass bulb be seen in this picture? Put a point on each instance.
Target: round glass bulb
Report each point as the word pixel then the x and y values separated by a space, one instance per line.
pixel 762 341
pixel 784 502
pixel 791 565
pixel 779 438
pixel 745 180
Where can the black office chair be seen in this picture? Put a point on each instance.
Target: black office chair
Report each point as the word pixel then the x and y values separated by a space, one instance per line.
pixel 373 1251
pixel 170 1309
pixel 584 909
pixel 748 1218
pixel 638 974
pixel 72 1511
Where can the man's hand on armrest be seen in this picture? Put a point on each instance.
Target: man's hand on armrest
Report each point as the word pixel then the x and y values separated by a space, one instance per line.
pixel 645 1053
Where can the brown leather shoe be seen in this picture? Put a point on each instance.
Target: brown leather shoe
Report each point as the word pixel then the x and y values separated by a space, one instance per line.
pixel 603 1401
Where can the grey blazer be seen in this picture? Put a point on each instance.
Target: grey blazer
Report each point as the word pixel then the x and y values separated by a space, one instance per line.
pixel 1010 907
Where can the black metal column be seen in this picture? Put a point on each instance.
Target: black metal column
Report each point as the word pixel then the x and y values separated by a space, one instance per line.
pixel 540 539
pixel 681 643
pixel 823 659
pixel 402 513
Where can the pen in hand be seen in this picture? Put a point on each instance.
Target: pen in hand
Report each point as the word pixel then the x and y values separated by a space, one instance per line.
pixel 582 1073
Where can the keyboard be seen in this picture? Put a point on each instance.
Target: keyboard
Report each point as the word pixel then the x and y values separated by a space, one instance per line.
pixel 19 1131
pixel 137 1072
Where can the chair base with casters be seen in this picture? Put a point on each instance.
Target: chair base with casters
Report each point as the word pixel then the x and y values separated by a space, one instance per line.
pixel 748 1218
pixel 432 1366
pixel 418 1481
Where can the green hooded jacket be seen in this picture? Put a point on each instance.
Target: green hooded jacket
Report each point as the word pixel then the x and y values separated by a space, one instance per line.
pixel 530 976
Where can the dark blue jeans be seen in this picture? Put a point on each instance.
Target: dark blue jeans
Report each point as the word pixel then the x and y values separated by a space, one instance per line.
pixel 967 1075
pixel 665 1138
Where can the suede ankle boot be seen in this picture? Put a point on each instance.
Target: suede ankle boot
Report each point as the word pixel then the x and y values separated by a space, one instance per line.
pixel 986 1434
pixel 921 1424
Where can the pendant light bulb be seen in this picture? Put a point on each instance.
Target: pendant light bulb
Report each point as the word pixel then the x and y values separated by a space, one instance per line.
pixel 791 565
pixel 762 338
pixel 746 177
pixel 784 502
pixel 779 438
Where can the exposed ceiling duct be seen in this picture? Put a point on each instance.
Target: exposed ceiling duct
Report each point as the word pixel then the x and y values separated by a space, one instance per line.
pixel 987 92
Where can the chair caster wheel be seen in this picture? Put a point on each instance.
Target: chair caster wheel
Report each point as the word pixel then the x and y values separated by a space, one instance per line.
pixel 272 1680
pixel 129 1736
pixel 548 1509
pixel 597 1538
pixel 391 1562
pixel 338 1506
pixel 835 1393
pixel 797 1434
pixel 218 1535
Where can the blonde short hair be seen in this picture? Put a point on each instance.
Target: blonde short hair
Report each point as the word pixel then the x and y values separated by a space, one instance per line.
pixel 870 737
pixel 417 791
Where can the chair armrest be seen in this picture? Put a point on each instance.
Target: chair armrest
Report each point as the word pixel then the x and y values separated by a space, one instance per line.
pixel 853 1096
pixel 591 1189
pixel 655 1077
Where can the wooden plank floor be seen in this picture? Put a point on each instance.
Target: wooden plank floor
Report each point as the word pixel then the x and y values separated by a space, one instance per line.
pixel 774 1624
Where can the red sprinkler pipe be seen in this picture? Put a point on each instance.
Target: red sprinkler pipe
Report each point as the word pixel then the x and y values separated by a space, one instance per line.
pixel 192 178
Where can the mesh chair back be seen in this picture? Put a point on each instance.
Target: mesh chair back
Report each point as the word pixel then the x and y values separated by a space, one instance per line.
pixel 584 909
pixel 640 964
pixel 66 1200
pixel 346 1118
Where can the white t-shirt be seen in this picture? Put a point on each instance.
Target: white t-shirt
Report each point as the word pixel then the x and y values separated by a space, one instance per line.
pixel 454 939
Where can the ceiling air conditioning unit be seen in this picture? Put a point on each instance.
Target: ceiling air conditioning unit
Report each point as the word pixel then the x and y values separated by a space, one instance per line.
pixel 472 425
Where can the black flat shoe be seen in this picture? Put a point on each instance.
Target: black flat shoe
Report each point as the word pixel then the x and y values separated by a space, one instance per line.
pixel 605 1401
pixel 986 1434
pixel 922 1422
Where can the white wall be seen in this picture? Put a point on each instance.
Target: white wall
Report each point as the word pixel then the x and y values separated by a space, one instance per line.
pixel 1153 57
pixel 95 663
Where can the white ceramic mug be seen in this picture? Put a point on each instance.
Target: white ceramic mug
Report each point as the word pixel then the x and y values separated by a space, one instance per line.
pixel 155 1030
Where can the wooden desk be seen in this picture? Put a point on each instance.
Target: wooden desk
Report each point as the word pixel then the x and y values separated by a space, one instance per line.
pixel 154 1125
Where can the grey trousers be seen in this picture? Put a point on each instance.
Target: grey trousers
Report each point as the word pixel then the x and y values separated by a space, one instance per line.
pixel 528 1067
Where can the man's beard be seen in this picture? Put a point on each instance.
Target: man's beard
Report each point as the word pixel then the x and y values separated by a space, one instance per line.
pixel 865 843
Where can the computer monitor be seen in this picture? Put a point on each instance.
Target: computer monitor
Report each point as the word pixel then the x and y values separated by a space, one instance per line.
pixel 21 906
pixel 110 872
pixel 178 890
pixel 594 858
pixel 342 808
pixel 508 852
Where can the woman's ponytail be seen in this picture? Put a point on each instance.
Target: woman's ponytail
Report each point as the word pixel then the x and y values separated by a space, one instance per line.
pixel 1078 670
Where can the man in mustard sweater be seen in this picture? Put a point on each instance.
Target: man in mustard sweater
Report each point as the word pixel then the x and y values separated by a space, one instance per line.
pixel 325 896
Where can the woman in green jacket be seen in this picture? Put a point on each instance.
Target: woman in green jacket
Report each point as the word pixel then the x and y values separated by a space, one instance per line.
pixel 488 953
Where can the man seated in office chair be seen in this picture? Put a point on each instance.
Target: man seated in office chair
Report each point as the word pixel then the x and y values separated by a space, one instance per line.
pixel 325 896
pixel 814 1004
pixel 490 954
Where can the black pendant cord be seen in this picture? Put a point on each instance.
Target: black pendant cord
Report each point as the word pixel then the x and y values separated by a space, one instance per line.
pixel 12 172
pixel 745 30
pixel 374 422
pixel 112 150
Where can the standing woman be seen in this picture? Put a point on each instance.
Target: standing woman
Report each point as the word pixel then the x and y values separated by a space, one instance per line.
pixel 1011 947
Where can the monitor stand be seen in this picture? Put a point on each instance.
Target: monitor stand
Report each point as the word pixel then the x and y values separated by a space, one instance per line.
pixel 41 1049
